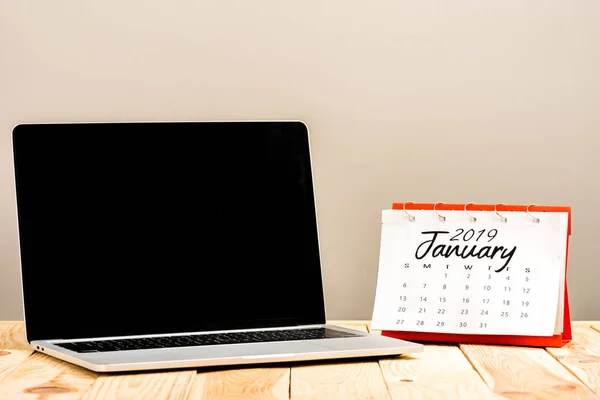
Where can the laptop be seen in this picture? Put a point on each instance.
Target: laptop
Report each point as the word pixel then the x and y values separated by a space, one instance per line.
pixel 157 245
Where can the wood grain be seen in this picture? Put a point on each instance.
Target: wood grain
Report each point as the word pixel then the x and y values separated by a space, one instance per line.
pixel 524 373
pixel 357 326
pixel 12 336
pixel 439 372
pixel 42 377
pixel 349 323
pixel 348 380
pixel 427 375
pixel 339 380
pixel 172 385
pixel 242 383
pixel 13 348
pixel 581 356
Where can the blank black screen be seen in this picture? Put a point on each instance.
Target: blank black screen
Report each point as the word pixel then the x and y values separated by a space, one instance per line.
pixel 139 228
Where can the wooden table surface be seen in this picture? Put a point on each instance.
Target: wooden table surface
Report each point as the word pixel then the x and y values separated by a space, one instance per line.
pixel 440 372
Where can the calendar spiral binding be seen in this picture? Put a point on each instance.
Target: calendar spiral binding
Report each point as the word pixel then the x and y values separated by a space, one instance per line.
pixel 411 217
pixel 535 219
pixel 442 218
pixel 473 218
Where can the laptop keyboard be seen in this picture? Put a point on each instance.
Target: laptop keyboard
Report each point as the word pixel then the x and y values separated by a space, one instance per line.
pixel 204 340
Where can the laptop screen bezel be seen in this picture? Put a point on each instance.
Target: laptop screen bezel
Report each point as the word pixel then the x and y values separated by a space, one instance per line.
pixel 317 315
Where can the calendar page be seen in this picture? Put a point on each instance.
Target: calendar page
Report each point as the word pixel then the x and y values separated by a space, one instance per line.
pixel 471 277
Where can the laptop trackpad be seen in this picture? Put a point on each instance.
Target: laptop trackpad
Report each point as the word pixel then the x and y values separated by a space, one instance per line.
pixel 272 349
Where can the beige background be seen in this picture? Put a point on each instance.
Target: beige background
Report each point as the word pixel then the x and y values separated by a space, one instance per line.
pixel 450 101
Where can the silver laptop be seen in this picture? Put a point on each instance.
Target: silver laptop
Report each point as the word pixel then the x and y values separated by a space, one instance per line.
pixel 174 245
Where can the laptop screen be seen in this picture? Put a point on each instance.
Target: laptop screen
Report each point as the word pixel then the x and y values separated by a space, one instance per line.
pixel 146 228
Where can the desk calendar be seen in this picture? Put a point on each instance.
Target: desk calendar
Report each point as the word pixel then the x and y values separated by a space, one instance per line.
pixel 474 273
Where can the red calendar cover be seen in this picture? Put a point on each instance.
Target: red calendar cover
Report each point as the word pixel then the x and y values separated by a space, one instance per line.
pixel 557 340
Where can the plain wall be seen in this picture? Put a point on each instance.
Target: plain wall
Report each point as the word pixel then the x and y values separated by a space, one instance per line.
pixel 447 101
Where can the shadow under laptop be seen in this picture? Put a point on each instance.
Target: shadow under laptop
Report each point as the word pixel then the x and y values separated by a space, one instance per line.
pixel 300 364
pixel 266 366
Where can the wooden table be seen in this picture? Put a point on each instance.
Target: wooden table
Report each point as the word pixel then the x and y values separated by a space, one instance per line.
pixel 440 372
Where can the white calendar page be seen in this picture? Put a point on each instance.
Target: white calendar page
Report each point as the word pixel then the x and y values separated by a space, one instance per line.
pixel 460 276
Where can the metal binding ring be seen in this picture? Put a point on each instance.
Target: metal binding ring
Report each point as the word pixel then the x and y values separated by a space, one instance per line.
pixel 438 214
pixel 504 219
pixel 535 219
pixel 411 217
pixel 470 216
